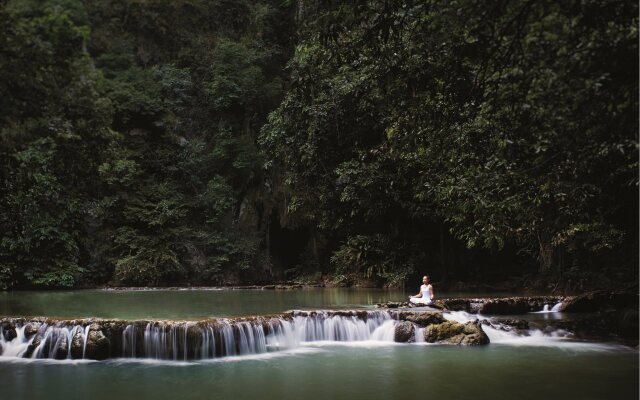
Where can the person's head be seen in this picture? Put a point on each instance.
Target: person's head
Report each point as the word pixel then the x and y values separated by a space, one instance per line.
pixel 425 279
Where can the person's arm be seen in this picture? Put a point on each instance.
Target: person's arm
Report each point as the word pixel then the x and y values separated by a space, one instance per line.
pixel 432 293
pixel 419 293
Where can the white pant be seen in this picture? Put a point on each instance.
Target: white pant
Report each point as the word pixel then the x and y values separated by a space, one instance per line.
pixel 420 300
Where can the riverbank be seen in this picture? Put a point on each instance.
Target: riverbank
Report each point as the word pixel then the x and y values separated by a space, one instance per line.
pixel 525 285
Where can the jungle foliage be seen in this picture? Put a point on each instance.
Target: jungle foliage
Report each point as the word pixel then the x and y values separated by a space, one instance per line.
pixel 128 138
pixel 153 142
pixel 509 123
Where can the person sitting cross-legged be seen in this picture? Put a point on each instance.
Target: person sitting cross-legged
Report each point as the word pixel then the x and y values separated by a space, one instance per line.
pixel 425 296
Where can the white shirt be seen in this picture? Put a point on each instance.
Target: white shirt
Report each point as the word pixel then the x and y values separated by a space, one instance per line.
pixel 426 292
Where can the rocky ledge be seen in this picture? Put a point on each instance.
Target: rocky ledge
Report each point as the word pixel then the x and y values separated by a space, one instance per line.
pixel 444 332
pixel 107 338
pixel 600 300
pixel 598 315
pixel 488 306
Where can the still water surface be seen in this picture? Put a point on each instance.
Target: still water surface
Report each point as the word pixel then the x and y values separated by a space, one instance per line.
pixel 185 304
pixel 344 372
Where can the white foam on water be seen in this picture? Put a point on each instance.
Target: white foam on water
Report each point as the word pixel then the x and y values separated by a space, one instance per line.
pixel 533 337
pixel 149 361
pixel 418 334
pixel 361 344
pixel 385 332
pixel 462 316
pixel 15 347
pixel 262 356
pixel 182 343
pixel 537 338
pixel 66 361
pixel 547 310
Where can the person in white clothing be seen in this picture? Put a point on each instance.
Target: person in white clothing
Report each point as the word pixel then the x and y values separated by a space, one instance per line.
pixel 425 297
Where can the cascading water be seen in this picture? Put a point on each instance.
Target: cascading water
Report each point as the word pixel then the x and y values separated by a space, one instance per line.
pixel 547 309
pixel 500 333
pixel 16 347
pixel 196 340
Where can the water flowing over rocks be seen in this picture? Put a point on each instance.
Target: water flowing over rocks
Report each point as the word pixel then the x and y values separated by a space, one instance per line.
pixel 464 322
pixel 521 324
pixel 500 306
pixel 100 339
pixel 601 300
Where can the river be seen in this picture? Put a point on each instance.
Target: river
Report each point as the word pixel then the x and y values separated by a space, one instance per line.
pixel 538 366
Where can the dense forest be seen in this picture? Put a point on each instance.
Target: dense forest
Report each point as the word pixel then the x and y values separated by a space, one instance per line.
pixel 226 142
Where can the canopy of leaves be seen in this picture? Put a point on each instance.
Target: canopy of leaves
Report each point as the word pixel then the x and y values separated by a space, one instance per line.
pixel 510 122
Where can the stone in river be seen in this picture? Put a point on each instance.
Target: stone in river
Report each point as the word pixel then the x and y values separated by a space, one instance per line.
pixel 97 345
pixel 404 332
pixel 77 345
pixel 450 332
pixel 31 329
pixel 423 318
pixel 62 348
pixel 9 330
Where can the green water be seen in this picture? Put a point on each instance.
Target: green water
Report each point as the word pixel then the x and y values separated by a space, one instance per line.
pixel 389 372
pixel 538 370
pixel 185 304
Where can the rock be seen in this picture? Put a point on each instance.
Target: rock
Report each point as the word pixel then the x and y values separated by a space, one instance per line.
pixel 77 345
pixel 61 347
pixel 37 339
pixel 505 306
pixel 31 329
pixel 449 332
pixel 588 302
pixel 443 331
pixel 600 300
pixel 513 323
pixel 499 306
pixel 8 329
pixel 97 345
pixel 474 335
pixel 422 319
pixel 468 305
pixel 627 323
pixel 9 333
pixel 404 332
pixel 393 304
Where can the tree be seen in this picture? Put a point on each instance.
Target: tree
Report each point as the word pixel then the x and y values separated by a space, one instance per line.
pixel 53 126
pixel 514 122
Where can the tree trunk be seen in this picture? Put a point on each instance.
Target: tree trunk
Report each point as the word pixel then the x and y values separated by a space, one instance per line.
pixel 443 260
pixel 546 251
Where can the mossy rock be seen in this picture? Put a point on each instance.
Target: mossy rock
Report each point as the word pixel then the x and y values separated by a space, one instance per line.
pixel 450 332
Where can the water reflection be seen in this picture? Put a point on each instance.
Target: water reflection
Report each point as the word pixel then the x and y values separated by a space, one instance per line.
pixel 183 304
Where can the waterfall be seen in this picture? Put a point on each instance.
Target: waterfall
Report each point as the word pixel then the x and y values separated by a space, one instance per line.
pixel 16 347
pixel 189 340
pixel 546 309
pixel 419 334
